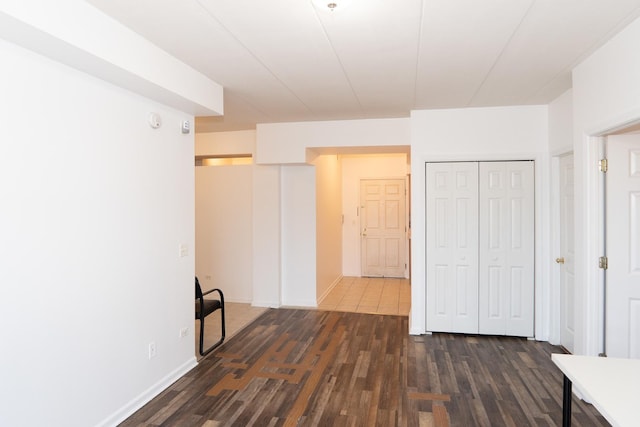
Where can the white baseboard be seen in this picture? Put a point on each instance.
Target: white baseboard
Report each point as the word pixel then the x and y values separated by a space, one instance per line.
pixel 267 304
pixel 301 304
pixel 333 285
pixel 146 396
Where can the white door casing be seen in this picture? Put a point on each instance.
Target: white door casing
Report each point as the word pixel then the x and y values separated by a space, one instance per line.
pixel 506 268
pixel 452 247
pixel 383 227
pixel 566 259
pixel 623 246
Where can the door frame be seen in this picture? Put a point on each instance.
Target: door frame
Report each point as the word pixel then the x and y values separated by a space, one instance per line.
pixel 554 291
pixel 418 314
pixel 592 321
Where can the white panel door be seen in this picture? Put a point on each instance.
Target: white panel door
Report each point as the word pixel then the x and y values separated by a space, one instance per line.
pixel 452 247
pixel 566 260
pixel 506 248
pixel 623 246
pixel 383 227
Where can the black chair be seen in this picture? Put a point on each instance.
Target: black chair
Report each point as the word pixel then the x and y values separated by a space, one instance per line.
pixel 205 307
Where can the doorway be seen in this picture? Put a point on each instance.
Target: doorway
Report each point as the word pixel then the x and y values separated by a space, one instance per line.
pixel 355 165
pixel 595 312
pixel 622 231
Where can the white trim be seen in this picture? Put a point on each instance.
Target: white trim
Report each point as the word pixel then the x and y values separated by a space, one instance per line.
pixel 329 289
pixel 615 123
pixel 554 241
pixel 267 304
pixel 147 395
pixel 407 223
pixel 592 282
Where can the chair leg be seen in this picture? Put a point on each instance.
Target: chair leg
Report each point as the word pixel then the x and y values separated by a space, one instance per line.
pixel 223 326
pixel 218 343
pixel 201 336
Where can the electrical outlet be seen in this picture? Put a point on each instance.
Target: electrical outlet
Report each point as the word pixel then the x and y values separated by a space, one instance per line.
pixel 152 350
pixel 184 332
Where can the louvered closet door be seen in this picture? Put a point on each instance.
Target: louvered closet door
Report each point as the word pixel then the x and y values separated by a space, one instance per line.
pixel 506 269
pixel 452 247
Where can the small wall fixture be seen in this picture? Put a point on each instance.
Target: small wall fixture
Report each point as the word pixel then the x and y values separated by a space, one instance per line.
pixel 154 120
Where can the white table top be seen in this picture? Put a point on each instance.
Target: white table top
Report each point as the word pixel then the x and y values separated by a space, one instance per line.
pixel 611 385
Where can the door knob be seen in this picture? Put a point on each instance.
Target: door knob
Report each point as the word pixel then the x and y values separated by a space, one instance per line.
pixel 560 260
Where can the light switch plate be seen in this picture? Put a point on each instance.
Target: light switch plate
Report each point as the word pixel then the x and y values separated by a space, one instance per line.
pixel 183 250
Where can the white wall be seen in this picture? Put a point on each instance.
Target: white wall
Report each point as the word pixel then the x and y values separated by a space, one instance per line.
pixel 328 223
pixel 298 215
pixel 281 143
pixel 223 252
pixel 355 168
pixel 267 236
pixel 501 133
pixel 606 96
pixel 234 143
pixel 561 124
pixel 259 218
pixel 95 204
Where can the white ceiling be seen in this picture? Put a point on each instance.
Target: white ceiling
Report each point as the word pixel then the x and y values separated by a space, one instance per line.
pixel 285 60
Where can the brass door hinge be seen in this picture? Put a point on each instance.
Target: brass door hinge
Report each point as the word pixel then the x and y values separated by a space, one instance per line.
pixel 604 165
pixel 603 262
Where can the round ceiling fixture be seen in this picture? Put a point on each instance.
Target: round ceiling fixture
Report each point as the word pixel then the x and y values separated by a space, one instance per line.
pixel 329 5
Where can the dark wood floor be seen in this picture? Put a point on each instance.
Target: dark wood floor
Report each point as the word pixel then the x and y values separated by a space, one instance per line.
pixel 319 368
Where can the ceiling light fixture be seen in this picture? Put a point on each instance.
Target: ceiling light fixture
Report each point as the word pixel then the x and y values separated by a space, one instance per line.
pixel 330 5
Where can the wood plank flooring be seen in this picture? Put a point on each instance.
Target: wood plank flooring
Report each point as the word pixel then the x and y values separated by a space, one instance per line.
pixel 320 368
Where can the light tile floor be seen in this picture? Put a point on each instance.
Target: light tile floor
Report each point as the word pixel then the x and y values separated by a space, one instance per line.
pixel 370 295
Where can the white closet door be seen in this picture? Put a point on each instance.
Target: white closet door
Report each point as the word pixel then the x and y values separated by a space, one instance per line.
pixel 506 269
pixel 452 247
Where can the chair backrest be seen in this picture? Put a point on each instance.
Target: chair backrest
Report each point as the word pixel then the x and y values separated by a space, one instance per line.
pixel 198 289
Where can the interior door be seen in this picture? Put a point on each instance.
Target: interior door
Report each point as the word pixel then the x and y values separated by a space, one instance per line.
pixel 383 227
pixel 566 258
pixel 452 247
pixel 623 246
pixel 506 269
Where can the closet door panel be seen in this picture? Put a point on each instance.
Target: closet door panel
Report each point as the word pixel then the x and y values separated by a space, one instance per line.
pixel 506 261
pixel 452 247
